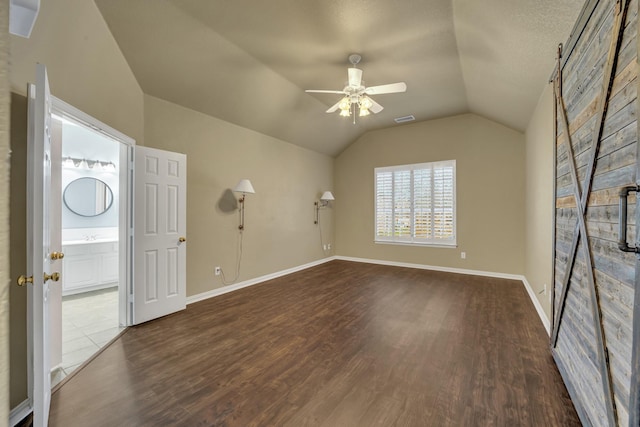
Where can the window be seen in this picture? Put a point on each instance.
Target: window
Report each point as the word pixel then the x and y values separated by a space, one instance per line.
pixel 415 204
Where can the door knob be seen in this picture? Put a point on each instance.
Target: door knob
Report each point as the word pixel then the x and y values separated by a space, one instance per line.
pixel 182 239
pixel 23 280
pixel 57 255
pixel 53 276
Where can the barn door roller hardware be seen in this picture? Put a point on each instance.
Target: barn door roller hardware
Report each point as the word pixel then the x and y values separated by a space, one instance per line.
pixel 622 242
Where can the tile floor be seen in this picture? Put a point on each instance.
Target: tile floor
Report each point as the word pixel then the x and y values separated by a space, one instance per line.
pixel 89 321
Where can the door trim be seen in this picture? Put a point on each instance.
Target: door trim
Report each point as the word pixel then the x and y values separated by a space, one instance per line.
pixel 125 191
pixel 20 412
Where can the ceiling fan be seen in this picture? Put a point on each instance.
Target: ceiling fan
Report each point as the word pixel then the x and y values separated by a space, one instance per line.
pixel 356 95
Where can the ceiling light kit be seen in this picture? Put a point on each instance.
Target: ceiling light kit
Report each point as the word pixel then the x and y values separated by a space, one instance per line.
pixel 356 95
pixel 72 162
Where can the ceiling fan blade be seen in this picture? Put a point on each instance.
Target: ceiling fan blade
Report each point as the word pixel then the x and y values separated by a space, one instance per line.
pixel 375 107
pixel 334 107
pixel 341 92
pixel 390 88
pixel 355 77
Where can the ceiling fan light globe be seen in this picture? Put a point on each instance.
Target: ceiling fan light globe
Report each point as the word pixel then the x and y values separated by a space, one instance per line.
pixel 366 103
pixel 345 103
pixel 364 112
pixel 345 113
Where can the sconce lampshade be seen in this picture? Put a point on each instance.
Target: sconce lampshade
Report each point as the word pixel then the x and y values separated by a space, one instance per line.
pixel 327 196
pixel 244 186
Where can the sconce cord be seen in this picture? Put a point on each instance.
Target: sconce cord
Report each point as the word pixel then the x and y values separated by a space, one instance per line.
pixel 320 229
pixel 239 255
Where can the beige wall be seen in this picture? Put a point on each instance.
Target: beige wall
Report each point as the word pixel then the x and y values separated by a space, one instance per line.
pixel 539 199
pixel 279 217
pixel 85 65
pixel 86 70
pixel 18 244
pixel 4 212
pixel 490 192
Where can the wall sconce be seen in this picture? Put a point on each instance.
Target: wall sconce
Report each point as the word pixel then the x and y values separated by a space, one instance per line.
pixel 322 203
pixel 244 187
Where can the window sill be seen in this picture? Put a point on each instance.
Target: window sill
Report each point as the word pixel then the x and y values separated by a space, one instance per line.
pixel 427 245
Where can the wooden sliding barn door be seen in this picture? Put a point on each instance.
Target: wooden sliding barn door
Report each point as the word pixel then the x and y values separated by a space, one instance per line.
pixel 592 339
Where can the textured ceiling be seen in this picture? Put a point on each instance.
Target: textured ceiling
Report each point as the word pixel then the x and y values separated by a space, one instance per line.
pixel 248 62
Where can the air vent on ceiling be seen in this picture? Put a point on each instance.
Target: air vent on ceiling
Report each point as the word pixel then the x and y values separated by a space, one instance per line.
pixel 404 119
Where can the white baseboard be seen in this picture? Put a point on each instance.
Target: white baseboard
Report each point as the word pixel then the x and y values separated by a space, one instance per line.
pixel 226 289
pixel 537 305
pixel 532 295
pixel 18 413
pixel 433 267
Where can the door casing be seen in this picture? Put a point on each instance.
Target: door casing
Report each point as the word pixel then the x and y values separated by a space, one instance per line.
pixel 125 241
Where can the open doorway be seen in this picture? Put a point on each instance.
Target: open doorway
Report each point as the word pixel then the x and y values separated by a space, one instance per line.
pixel 87 310
pixel 158 227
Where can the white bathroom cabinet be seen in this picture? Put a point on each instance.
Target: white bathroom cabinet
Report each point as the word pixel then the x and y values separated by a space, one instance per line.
pixel 88 266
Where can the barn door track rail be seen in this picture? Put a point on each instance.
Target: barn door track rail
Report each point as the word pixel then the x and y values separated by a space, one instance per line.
pixel 581 196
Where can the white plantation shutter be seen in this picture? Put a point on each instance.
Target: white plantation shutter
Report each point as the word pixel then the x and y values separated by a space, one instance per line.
pixel 402 204
pixel 443 202
pixel 384 205
pixel 416 203
pixel 422 204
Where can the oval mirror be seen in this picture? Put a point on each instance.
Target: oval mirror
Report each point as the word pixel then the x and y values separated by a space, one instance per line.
pixel 88 196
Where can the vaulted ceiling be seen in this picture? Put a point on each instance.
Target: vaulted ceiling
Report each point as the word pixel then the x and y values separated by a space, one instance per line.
pixel 248 61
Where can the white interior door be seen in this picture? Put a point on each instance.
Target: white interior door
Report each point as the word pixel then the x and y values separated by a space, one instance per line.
pixel 38 244
pixel 160 226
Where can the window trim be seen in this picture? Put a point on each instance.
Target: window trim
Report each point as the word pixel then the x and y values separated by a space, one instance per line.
pixel 410 241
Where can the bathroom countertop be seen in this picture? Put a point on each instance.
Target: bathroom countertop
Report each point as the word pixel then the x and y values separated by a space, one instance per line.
pixel 87 242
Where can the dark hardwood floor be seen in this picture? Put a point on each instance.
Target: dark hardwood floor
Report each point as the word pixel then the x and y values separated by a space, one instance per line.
pixel 340 344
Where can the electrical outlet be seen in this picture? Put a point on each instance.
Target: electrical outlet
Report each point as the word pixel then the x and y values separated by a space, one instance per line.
pixel 329 246
pixel 324 247
pixel 463 255
pixel 217 270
